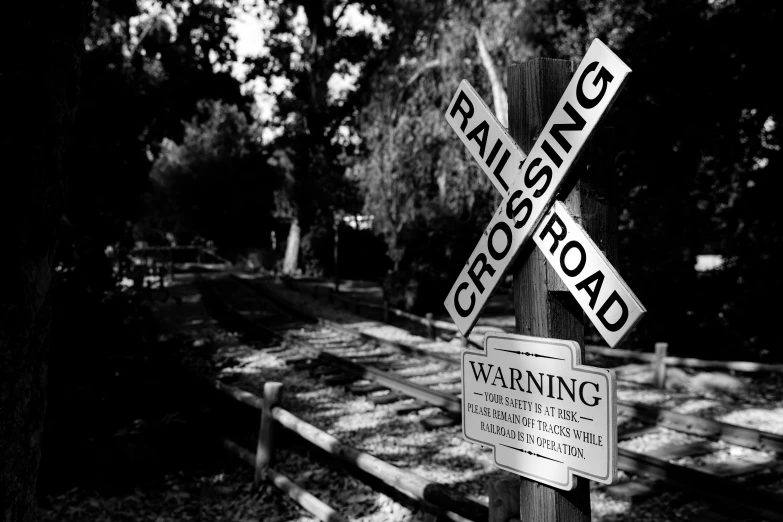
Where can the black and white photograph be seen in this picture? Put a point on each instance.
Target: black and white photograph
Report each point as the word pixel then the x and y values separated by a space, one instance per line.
pixel 391 261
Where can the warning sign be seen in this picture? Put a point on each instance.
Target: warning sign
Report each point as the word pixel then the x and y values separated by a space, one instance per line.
pixel 546 416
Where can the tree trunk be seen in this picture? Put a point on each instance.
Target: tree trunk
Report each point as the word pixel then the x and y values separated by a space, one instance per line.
pixel 40 81
pixel 291 260
pixel 498 92
pixel 336 252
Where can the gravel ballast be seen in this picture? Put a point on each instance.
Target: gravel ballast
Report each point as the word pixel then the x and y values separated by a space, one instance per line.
pixel 439 455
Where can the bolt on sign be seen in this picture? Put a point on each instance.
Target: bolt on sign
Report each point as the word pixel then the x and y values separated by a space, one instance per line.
pixel 587 97
pixel 546 417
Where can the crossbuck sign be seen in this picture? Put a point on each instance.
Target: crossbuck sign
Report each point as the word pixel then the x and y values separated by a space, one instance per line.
pixel 529 185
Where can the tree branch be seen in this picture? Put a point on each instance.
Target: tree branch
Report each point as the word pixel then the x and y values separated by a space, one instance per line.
pixel 498 92
pixel 415 76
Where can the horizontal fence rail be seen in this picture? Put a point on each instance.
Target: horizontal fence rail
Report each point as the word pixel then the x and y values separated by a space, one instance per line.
pixel 306 500
pixel 414 486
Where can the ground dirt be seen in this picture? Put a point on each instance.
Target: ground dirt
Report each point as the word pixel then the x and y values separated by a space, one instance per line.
pixel 221 488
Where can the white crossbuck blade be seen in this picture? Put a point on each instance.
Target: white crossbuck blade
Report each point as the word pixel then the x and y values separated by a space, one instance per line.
pixel 534 181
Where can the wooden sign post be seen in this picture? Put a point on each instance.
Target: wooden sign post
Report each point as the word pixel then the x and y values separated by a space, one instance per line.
pixel 561 276
pixel 535 88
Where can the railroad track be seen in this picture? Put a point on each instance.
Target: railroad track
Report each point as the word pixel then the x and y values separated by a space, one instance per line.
pixel 346 356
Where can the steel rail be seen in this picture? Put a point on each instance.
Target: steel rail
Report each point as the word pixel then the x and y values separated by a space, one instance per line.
pixel 707 428
pixel 690 362
pixel 684 423
pixel 282 303
pixel 391 381
pixel 445 401
pixel 711 487
pixel 714 488
pixel 223 308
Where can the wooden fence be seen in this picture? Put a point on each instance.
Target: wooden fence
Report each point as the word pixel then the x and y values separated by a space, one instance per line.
pixel 432 497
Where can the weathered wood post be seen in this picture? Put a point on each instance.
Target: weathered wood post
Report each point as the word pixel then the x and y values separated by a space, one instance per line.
pixel 386 315
pixel 171 265
pixel 159 270
pixel 265 450
pixel 504 499
pixel 430 325
pixel 659 366
pixel 335 253
pixel 543 305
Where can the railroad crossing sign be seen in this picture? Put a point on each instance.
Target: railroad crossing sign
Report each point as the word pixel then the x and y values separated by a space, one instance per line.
pixel 545 415
pixel 598 288
pixel 486 139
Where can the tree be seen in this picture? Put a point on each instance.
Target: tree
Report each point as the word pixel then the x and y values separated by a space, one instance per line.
pixel 144 72
pixel 41 85
pixel 316 122
pixel 217 183
pixel 418 182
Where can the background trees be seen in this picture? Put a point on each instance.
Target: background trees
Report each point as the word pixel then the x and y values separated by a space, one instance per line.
pixel 146 66
pixel 165 127
pixel 698 148
pixel 217 183
pixel 166 147
pixel 698 138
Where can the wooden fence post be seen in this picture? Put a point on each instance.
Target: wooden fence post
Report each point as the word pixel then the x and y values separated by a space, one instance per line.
pixel 161 273
pixel 659 366
pixel 386 315
pixel 336 232
pixel 265 451
pixel 430 326
pixel 543 306
pixel 504 500
pixel 171 265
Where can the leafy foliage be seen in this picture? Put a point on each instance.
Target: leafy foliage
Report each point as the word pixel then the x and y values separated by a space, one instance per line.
pixel 697 151
pixel 427 196
pixel 697 156
pixel 314 119
pixel 144 69
pixel 217 182
pixel 143 73
pixel 307 57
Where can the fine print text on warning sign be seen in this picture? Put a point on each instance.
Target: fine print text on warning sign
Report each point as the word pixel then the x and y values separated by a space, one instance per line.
pixel 546 416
